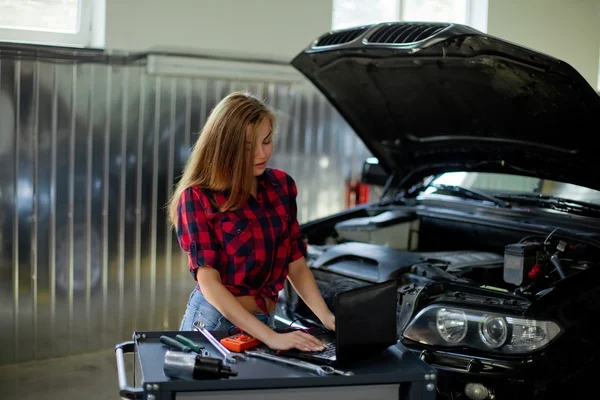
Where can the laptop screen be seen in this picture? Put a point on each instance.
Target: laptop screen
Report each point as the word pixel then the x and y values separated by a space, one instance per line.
pixel 366 321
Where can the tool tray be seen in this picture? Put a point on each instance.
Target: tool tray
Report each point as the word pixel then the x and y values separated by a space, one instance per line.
pixel 396 365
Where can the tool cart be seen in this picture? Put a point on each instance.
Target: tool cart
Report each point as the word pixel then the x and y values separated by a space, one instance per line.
pixel 193 365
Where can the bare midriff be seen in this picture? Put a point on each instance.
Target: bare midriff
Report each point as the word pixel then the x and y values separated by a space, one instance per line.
pixel 249 303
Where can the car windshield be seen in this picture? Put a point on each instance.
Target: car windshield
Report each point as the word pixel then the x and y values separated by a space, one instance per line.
pixel 494 183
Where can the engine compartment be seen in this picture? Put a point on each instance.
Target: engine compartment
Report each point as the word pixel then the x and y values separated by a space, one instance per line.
pixel 411 245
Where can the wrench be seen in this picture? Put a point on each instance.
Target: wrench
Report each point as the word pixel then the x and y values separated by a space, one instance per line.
pixel 229 356
pixel 321 370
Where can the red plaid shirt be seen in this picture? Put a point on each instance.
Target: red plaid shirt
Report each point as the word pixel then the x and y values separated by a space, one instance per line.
pixel 251 247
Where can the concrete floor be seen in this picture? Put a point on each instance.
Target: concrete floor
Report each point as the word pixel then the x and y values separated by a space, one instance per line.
pixel 78 361
pixel 89 377
pixel 83 374
pixel 75 351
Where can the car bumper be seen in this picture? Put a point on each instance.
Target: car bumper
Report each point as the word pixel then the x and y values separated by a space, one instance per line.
pixel 484 378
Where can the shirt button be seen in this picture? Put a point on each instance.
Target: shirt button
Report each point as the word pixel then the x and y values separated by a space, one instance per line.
pixel 239 231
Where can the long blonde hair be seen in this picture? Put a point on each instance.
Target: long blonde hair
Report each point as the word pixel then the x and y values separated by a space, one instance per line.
pixel 219 160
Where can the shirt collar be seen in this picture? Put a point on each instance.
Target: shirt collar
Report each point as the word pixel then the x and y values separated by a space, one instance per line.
pixel 266 179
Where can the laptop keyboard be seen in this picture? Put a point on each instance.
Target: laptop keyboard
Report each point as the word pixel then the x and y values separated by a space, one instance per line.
pixel 325 337
pixel 329 350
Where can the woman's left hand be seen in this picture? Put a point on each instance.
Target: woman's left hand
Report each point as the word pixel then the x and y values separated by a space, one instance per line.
pixel 329 321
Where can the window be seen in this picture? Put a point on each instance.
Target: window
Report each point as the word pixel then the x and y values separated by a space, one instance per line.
pixel 598 81
pixel 435 11
pixel 347 13
pixel 52 22
pixel 516 184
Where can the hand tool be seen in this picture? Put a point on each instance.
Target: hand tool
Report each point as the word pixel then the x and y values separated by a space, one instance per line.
pixel 319 369
pixel 190 343
pixel 229 356
pixel 183 344
pixel 174 344
pixel 193 366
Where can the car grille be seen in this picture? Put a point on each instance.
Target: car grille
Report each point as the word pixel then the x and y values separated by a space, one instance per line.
pixel 406 32
pixel 340 37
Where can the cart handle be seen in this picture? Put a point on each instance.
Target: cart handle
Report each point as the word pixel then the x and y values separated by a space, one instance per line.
pixel 125 391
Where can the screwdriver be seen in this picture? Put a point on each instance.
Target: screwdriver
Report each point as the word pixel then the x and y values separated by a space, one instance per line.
pixel 174 344
pixel 189 343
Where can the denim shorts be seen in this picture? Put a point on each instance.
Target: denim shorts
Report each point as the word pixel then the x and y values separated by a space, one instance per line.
pixel 200 310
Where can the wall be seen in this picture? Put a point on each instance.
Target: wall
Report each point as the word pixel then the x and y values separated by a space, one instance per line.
pixel 268 29
pixel 566 29
pixel 89 152
pixel 278 30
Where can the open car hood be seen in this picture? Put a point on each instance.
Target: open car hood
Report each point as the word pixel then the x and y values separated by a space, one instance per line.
pixel 430 98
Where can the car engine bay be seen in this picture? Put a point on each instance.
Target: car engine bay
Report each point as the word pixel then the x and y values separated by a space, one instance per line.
pixel 421 249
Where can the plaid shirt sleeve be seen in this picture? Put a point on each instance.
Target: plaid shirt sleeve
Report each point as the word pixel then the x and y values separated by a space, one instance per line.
pixel 298 244
pixel 195 233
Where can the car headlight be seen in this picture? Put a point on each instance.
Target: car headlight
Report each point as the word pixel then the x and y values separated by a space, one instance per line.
pixel 450 326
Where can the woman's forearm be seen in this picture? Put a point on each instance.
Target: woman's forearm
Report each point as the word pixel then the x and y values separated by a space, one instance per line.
pixel 226 303
pixel 305 285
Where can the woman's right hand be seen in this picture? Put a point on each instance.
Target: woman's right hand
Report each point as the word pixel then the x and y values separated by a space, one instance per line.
pixel 294 340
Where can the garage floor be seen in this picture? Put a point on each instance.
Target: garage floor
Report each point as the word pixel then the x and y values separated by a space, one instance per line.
pixel 89 377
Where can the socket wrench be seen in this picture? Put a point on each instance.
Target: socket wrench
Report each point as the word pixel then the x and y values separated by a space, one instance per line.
pixel 321 370
pixel 229 356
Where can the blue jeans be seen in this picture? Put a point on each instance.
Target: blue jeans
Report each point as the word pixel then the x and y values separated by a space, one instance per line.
pixel 200 310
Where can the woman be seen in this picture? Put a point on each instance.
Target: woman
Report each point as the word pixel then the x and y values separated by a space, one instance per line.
pixel 236 219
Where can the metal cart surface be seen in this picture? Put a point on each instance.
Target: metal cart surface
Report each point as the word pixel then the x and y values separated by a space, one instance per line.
pixel 396 373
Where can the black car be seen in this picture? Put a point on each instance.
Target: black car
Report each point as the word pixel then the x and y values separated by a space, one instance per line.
pixel 485 158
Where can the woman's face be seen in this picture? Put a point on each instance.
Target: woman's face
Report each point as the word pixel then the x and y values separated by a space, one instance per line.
pixel 264 147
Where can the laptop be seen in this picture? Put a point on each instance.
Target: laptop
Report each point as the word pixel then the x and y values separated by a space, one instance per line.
pixel 365 321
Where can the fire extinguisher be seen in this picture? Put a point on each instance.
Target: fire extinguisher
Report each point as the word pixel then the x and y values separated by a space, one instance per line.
pixel 356 193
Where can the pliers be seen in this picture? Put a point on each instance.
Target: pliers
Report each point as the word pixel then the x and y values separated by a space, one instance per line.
pixel 181 343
